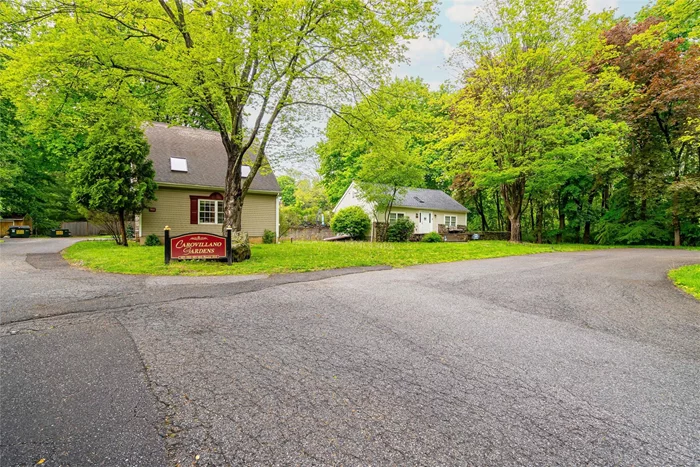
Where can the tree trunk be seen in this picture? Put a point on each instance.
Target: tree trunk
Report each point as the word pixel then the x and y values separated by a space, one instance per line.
pixel 387 215
pixel 498 211
pixel 513 195
pixel 515 233
pixel 676 221
pixel 484 224
pixel 604 198
pixel 562 220
pixel 479 203
pixel 630 212
pixel 562 226
pixel 587 225
pixel 587 233
pixel 122 228
pixel 233 197
pixel 540 222
pixel 677 157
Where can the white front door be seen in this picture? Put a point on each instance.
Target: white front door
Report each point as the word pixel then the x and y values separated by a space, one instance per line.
pixel 425 222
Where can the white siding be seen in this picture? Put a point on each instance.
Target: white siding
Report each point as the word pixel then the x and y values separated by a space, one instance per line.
pixel 352 198
pixel 438 217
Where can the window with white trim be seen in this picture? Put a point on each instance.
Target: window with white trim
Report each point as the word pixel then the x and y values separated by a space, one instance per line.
pixel 451 221
pixel 394 216
pixel 211 211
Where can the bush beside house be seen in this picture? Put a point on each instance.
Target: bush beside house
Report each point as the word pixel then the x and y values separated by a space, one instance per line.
pixel 152 240
pixel 431 237
pixel 351 221
pixel 401 230
pixel 268 237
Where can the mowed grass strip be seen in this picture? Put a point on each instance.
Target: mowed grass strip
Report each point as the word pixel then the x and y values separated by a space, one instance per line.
pixel 299 256
pixel 687 278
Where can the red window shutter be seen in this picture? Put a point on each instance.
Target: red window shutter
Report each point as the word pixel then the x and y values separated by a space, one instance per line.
pixel 194 210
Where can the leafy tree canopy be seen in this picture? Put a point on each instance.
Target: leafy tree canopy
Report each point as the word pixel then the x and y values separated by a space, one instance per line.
pixel 390 134
pixel 237 59
pixel 523 69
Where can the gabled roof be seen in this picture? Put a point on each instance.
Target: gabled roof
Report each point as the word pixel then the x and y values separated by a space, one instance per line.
pixel 205 154
pixel 418 198
pixel 423 198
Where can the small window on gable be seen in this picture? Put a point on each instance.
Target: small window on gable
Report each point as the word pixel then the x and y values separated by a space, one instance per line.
pixel 245 171
pixel 178 164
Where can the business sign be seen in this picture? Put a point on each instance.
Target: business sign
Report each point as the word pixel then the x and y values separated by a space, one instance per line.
pixel 197 245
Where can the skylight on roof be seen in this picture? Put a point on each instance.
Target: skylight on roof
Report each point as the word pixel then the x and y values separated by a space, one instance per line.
pixel 178 165
pixel 245 171
pixel 418 199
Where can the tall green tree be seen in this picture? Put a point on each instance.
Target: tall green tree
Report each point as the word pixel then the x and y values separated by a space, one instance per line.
pixel 388 170
pixel 523 67
pixel 32 163
pixel 113 174
pixel 307 203
pixel 401 116
pixel 287 187
pixel 663 110
pixel 244 57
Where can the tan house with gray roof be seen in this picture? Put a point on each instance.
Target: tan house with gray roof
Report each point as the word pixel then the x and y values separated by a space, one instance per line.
pixel 429 210
pixel 190 166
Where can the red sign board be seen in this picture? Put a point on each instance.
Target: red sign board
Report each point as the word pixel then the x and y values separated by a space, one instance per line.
pixel 198 246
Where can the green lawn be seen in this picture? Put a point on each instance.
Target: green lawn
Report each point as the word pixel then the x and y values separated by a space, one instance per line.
pixel 687 278
pixel 299 256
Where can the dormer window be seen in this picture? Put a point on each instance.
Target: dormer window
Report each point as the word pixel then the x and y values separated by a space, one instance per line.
pixel 178 165
pixel 245 171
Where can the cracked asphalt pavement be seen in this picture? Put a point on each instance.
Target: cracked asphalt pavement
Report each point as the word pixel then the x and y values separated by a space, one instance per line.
pixel 588 358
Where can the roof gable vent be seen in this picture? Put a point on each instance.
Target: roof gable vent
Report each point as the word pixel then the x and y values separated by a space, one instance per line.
pixel 245 171
pixel 178 165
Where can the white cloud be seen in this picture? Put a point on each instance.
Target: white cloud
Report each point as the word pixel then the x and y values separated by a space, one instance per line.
pixel 600 5
pixel 462 11
pixel 434 85
pixel 425 49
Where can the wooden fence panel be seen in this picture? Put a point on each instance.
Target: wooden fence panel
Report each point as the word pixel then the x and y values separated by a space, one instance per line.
pixel 308 233
pixel 82 228
pixel 5 224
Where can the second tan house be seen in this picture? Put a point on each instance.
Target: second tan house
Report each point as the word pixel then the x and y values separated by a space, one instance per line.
pixel 190 166
pixel 430 210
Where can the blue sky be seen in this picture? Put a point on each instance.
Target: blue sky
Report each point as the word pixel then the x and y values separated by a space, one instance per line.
pixel 428 55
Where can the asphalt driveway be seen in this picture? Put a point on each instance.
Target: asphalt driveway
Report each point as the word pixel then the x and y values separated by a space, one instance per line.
pixel 564 358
